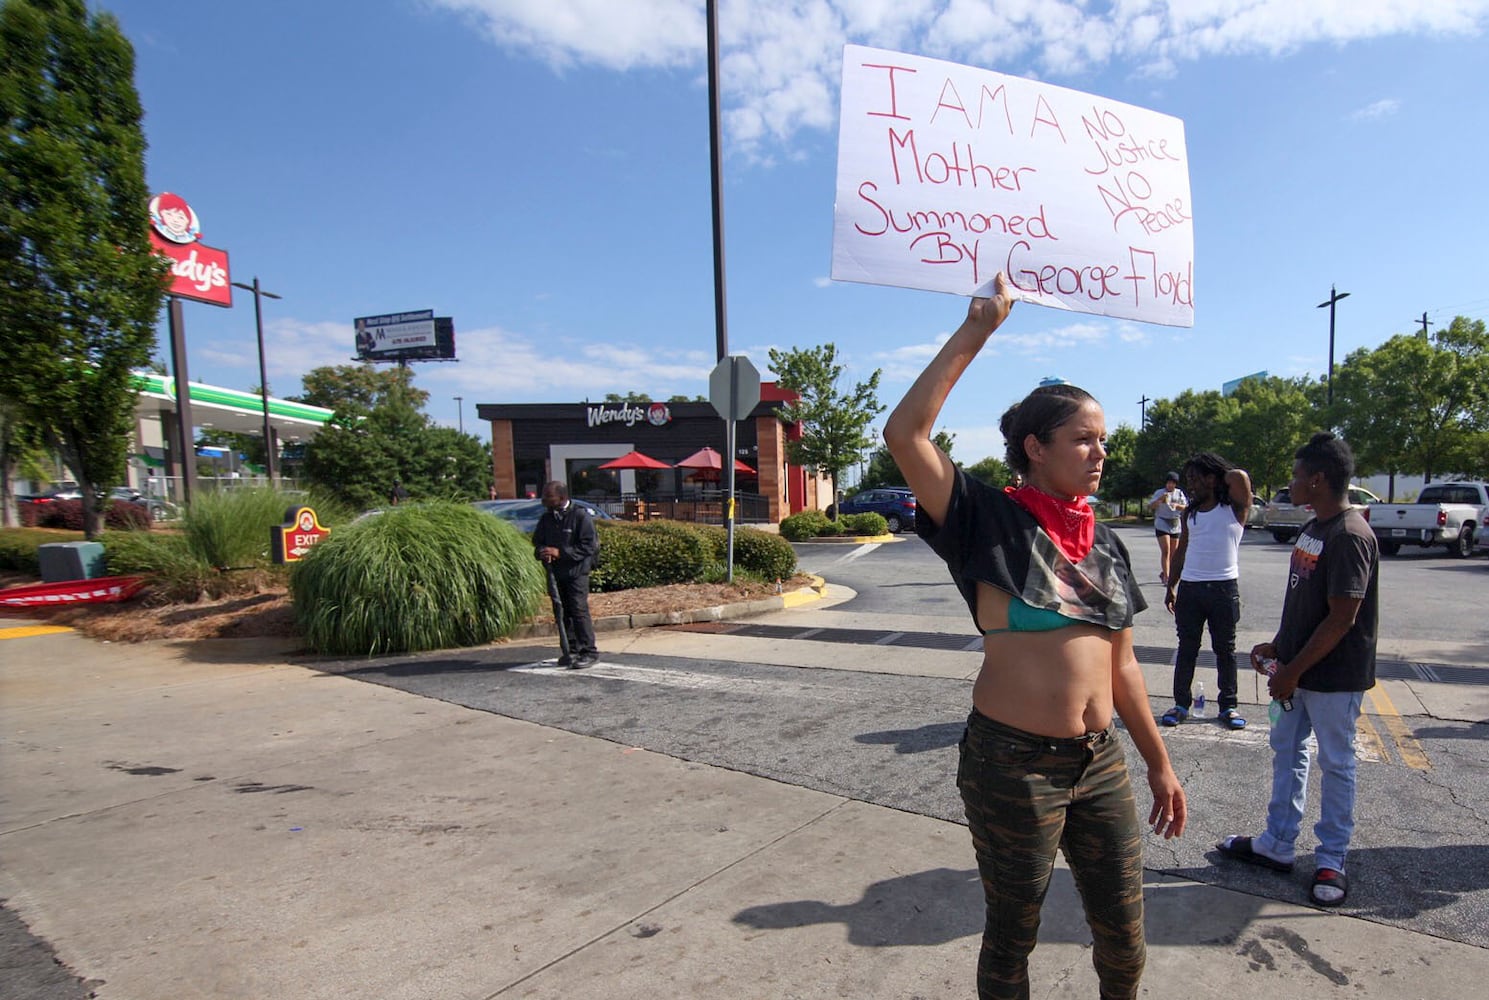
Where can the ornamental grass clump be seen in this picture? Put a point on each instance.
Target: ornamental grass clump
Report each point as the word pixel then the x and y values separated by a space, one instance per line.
pixel 230 528
pixel 419 577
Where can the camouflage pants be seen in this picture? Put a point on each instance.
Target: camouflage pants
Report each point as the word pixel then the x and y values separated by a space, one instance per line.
pixel 1025 796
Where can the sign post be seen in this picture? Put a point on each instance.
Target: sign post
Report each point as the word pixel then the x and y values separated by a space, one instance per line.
pixel 734 390
pixel 199 273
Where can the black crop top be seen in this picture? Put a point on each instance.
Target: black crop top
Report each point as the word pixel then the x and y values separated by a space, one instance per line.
pixel 987 537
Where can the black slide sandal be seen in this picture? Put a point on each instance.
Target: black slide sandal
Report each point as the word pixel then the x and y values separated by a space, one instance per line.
pixel 1240 849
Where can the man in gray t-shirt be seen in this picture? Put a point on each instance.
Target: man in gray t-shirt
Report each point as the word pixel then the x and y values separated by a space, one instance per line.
pixel 1321 663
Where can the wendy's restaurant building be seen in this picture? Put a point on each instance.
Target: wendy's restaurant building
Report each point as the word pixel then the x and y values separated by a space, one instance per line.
pixel 535 443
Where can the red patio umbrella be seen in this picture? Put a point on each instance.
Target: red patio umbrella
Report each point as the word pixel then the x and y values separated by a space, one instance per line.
pixel 708 464
pixel 635 460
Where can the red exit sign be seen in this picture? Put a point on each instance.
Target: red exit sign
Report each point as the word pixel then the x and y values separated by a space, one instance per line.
pixel 300 532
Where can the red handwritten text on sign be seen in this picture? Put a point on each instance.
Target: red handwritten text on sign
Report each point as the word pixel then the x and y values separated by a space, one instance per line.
pixel 948 174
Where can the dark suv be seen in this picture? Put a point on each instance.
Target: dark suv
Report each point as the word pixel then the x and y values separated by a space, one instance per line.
pixel 895 504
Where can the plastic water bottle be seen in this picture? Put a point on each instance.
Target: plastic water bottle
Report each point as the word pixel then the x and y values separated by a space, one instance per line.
pixel 1275 710
pixel 1198 709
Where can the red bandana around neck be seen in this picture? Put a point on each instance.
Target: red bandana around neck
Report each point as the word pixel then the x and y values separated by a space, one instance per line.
pixel 1071 523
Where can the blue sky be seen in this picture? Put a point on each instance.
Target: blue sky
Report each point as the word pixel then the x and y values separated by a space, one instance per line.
pixel 539 171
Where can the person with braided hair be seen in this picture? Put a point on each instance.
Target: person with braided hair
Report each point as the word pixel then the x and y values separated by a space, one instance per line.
pixel 1203 586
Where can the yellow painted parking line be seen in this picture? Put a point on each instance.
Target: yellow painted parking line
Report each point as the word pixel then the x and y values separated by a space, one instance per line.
pixel 1376 749
pixel 25 631
pixel 1406 744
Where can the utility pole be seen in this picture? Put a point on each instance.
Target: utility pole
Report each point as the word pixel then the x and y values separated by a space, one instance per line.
pixel 1143 421
pixel 1423 321
pixel 460 407
pixel 258 318
pixel 716 164
pixel 1334 297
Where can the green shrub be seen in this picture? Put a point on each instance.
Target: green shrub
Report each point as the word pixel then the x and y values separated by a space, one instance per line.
pixel 759 554
pixel 867 523
pixel 650 555
pixel 433 575
pixel 231 527
pixel 800 527
pixel 68 515
pixel 177 573
pixel 18 547
pixel 830 529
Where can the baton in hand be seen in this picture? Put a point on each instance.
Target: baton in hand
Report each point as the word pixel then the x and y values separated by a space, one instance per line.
pixel 558 610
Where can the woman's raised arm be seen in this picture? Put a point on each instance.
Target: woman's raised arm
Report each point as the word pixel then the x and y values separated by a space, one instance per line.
pixel 927 469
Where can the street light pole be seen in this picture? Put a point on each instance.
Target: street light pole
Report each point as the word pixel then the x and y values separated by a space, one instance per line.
pixel 258 319
pixel 460 409
pixel 1334 297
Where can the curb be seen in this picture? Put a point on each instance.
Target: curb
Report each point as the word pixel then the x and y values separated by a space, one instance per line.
pixel 718 612
pixel 849 539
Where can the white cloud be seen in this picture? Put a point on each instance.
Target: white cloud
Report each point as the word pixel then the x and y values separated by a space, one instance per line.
pixel 977 442
pixel 1380 109
pixel 495 365
pixel 781 59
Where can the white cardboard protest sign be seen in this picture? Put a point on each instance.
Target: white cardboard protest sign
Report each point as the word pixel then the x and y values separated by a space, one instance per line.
pixel 948 174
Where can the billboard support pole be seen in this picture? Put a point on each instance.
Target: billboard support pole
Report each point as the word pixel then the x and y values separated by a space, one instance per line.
pixel 258 319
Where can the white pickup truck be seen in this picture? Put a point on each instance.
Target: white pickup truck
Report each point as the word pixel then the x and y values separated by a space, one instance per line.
pixel 1445 514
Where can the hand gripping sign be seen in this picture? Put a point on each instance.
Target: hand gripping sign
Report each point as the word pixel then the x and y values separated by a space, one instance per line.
pixel 948 174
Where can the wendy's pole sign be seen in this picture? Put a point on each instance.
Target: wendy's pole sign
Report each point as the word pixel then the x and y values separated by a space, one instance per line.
pixel 948 174
pixel 199 273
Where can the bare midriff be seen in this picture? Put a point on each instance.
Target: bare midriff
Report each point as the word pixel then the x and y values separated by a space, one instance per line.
pixel 1056 683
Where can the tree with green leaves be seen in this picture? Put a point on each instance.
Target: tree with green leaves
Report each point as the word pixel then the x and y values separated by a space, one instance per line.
pixel 1272 418
pixel 834 423
pixel 355 390
pixel 882 470
pixel 21 450
pixel 1122 478
pixel 993 471
pixel 80 286
pixel 1179 427
pixel 1415 403
pixel 360 454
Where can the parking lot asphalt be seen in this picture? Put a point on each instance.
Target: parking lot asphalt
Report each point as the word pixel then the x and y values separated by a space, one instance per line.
pixel 230 820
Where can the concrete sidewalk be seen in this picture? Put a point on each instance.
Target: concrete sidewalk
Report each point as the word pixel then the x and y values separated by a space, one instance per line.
pixel 181 826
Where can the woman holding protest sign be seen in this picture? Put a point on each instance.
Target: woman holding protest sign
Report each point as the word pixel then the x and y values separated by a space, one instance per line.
pixel 1053 593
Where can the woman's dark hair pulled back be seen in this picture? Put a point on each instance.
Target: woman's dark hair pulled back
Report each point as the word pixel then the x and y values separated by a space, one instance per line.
pixel 1040 413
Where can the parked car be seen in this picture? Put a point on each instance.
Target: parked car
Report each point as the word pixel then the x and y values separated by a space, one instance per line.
pixel 1284 520
pixel 895 504
pixel 1255 517
pixel 524 513
pixel 1446 514
pixel 155 507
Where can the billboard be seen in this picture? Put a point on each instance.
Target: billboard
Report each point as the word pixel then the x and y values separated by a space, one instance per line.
pixel 1229 387
pixel 405 336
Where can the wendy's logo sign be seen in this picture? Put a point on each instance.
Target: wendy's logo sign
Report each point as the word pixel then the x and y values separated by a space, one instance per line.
pixel 198 272
pixel 173 219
